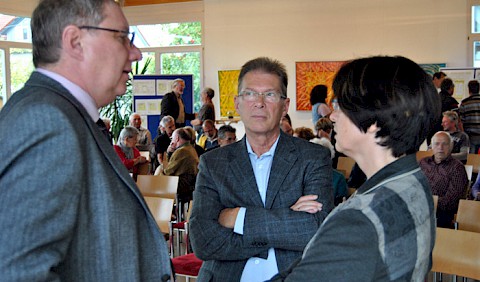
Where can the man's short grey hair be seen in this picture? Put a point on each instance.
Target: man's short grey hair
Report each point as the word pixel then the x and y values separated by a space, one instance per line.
pixel 165 120
pixel 127 132
pixel 452 116
pixel 210 92
pixel 50 19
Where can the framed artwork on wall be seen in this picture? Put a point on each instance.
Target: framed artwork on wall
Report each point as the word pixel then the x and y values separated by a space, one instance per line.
pixel 227 85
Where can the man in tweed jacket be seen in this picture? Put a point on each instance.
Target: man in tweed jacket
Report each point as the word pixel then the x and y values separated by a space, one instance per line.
pixel 386 230
pixel 258 202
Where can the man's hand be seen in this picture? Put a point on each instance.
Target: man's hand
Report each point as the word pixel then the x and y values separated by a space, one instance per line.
pixel 227 217
pixel 308 204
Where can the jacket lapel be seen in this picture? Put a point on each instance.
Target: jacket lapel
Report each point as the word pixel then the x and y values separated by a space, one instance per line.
pixel 283 161
pixel 242 171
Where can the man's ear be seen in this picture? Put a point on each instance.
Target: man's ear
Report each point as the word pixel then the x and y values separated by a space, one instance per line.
pixel 72 40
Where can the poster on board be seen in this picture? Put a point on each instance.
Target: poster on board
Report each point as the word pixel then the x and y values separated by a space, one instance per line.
pixel 148 91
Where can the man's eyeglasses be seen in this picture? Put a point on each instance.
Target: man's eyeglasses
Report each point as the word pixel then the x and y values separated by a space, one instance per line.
pixel 269 96
pixel 127 36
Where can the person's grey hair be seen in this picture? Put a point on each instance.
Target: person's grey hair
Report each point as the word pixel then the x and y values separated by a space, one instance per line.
pixel 210 92
pixel 450 139
pixel 452 116
pixel 267 65
pixel 222 131
pixel 50 18
pixel 127 132
pixel 165 120
pixel 176 81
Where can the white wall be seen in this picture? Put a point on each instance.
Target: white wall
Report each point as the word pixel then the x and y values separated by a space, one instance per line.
pixel 426 31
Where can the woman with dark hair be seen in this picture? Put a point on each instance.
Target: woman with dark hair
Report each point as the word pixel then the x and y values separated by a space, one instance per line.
pixel 318 97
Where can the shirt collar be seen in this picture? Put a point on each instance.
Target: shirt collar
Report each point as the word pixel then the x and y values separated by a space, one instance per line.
pixel 83 97
pixel 270 152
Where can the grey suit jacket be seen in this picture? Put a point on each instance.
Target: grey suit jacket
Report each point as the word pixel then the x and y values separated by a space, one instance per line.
pixel 69 209
pixel 226 180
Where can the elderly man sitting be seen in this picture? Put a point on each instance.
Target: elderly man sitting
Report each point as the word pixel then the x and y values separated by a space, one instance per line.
pixel 447 177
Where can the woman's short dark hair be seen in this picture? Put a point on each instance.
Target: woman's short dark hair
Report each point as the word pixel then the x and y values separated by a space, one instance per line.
pixel 392 92
pixel 447 84
pixel 318 94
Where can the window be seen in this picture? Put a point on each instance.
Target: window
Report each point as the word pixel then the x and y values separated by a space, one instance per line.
pixel 172 34
pixel 3 92
pixel 474 33
pixel 21 66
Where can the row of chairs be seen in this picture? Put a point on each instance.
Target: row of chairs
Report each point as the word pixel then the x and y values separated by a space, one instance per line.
pixel 457 251
pixel 160 193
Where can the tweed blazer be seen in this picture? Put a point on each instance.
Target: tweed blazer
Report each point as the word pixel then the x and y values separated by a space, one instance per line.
pixel 69 209
pixel 226 180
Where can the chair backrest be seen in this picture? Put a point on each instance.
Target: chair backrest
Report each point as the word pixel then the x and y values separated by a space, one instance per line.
pixel 435 203
pixel 474 160
pixel 423 154
pixel 161 209
pixel 468 216
pixel 345 164
pixel 457 252
pixel 158 185
pixel 469 170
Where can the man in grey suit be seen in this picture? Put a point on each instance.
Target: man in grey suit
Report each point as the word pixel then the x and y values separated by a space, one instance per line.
pixel 69 209
pixel 258 202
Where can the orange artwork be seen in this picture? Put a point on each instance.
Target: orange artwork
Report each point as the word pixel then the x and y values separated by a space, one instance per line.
pixel 310 74
pixel 227 84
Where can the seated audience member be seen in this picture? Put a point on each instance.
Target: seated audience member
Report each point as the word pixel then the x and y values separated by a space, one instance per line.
pixel 323 128
pixel 447 177
pixel 127 151
pixel 286 125
pixel 226 135
pixel 166 126
pixel 461 143
pixel 144 142
pixel 304 133
pixel 198 149
pixel 209 137
pixel 386 231
pixel 182 163
pixel 207 111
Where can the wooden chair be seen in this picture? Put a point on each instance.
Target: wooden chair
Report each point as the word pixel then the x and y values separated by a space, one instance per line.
pixel 474 160
pixel 161 209
pixel 158 186
pixel 435 203
pixel 457 252
pixel 345 165
pixel 468 216
pixel 423 154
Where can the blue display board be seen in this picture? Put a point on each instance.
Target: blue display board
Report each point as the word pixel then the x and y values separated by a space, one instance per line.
pixel 148 92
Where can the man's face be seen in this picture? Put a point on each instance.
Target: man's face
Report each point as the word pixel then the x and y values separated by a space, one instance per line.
pixel 169 128
pixel 261 117
pixel 106 57
pixel 448 125
pixel 136 121
pixel 175 139
pixel 441 147
pixel 209 131
pixel 178 88
pixel 230 138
